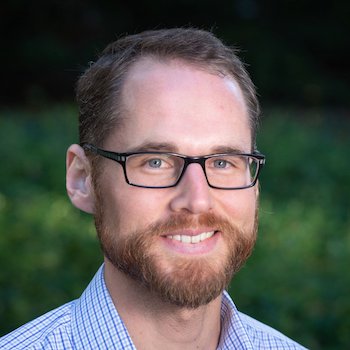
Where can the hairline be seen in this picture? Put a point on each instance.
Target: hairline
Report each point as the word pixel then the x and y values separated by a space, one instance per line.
pixel 120 113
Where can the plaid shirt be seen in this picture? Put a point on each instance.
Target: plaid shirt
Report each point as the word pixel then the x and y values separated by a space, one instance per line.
pixel 92 322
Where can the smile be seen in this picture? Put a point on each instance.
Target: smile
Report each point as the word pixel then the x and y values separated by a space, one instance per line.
pixel 192 239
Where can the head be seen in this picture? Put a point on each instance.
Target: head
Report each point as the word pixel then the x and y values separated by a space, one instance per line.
pixel 176 90
pixel 99 88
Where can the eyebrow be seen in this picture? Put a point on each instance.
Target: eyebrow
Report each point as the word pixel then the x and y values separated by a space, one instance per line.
pixel 155 146
pixel 172 148
pixel 228 149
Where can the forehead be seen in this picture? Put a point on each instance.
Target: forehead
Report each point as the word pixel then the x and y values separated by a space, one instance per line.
pixel 177 104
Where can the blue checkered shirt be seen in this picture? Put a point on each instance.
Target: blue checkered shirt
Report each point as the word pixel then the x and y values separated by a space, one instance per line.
pixel 92 322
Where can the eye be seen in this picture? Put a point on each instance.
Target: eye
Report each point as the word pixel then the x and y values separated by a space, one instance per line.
pixel 221 163
pixel 155 162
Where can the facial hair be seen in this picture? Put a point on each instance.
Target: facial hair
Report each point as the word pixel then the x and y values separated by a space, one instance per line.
pixel 183 281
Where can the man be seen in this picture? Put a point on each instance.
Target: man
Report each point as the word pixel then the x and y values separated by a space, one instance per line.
pixel 167 164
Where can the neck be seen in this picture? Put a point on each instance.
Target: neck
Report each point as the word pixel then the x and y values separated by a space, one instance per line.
pixel 155 324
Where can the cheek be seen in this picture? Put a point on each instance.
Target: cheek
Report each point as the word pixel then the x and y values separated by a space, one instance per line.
pixel 240 206
pixel 133 208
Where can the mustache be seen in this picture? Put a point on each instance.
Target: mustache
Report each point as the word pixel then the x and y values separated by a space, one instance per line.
pixel 180 222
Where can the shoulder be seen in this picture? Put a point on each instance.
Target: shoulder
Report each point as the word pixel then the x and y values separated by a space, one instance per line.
pixel 244 332
pixel 264 336
pixel 52 328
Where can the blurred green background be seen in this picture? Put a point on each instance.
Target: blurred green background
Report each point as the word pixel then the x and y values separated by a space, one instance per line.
pixel 298 52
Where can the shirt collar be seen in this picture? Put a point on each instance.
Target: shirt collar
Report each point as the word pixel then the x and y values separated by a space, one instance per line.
pixel 233 333
pixel 96 323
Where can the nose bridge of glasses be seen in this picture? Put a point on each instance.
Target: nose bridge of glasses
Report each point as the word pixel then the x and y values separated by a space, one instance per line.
pixel 194 160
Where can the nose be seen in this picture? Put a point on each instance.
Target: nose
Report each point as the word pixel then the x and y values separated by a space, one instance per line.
pixel 193 193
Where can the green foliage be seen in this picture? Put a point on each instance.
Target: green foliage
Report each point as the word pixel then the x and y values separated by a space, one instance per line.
pixel 297 279
pixel 48 248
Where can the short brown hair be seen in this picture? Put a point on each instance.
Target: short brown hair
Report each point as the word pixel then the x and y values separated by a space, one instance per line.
pixel 99 88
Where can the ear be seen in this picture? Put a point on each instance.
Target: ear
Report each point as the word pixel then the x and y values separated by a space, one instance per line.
pixel 78 179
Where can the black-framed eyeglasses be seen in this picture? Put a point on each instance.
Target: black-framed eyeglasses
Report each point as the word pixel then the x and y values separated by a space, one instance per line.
pixel 225 171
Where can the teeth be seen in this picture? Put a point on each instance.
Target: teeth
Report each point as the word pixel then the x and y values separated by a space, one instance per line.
pixel 185 239
pixel 192 239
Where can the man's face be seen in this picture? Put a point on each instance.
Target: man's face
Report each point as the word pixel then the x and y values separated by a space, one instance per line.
pixel 174 107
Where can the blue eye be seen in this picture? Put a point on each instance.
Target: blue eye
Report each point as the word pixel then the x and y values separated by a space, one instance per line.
pixel 155 163
pixel 220 163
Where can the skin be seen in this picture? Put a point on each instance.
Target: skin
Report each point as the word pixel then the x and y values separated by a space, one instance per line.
pixel 186 110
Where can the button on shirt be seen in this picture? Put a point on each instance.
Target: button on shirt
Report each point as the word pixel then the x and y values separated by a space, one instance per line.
pixel 92 322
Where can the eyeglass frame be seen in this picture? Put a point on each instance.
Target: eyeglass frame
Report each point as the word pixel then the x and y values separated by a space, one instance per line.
pixel 121 158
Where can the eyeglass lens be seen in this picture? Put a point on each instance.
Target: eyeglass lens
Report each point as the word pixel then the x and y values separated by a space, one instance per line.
pixel 159 170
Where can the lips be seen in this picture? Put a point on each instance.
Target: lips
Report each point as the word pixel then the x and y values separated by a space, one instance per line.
pixel 193 239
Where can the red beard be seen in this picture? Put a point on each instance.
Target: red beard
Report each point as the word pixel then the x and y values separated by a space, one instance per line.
pixel 187 282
